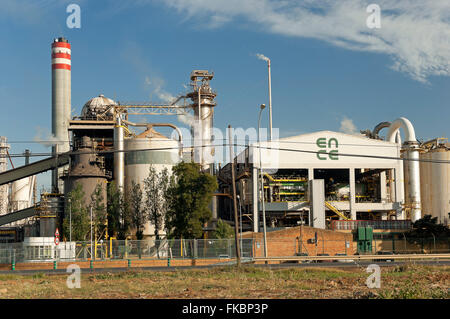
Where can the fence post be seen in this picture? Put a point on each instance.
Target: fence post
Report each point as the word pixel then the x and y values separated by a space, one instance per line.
pixel 195 248
pixel 13 260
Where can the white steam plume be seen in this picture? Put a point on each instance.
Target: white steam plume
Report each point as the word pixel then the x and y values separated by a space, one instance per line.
pixel 44 137
pixel 262 57
pixel 347 126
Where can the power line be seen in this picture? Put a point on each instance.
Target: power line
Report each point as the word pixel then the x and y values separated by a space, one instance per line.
pixel 237 145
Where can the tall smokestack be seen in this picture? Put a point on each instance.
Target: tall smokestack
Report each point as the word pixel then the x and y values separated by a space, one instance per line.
pixel 61 100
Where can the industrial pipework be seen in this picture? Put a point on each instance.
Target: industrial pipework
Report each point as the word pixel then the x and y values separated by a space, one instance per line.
pixel 119 155
pixel 203 104
pixel 411 148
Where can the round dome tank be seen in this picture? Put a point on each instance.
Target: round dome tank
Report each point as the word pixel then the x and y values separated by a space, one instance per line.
pixel 157 151
pixel 97 106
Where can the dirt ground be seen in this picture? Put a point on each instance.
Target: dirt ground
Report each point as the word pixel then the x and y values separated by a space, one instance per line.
pixel 407 281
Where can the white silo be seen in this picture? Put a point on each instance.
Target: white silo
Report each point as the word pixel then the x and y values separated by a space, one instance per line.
pixel 148 149
pixel 435 180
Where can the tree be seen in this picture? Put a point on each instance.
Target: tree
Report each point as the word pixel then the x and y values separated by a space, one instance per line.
pixel 137 213
pixel 99 212
pixel 427 227
pixel 223 230
pixel 119 219
pixel 78 213
pixel 189 199
pixel 156 192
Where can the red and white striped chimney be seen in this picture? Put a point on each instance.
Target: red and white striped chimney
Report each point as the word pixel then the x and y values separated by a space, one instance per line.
pixel 61 99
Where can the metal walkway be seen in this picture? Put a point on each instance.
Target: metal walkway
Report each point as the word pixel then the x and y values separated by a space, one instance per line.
pixel 34 168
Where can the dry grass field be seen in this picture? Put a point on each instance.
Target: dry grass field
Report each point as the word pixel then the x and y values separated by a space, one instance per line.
pixel 407 281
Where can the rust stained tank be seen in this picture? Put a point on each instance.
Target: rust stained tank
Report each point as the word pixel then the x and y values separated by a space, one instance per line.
pixel 86 170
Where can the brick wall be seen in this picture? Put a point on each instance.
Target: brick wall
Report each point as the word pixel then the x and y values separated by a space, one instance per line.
pixel 288 242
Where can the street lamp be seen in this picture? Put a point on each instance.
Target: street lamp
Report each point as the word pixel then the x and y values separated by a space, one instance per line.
pixel 240 218
pixel 262 107
pixel 70 219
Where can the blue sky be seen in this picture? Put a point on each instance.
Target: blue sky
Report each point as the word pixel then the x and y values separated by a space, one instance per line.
pixel 327 66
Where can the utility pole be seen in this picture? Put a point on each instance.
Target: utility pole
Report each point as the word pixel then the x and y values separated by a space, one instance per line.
pixel 233 182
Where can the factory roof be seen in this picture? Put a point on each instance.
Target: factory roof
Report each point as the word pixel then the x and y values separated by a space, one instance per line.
pixel 326 149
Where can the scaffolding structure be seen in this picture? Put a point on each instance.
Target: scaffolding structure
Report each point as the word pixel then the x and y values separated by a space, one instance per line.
pixel 3 167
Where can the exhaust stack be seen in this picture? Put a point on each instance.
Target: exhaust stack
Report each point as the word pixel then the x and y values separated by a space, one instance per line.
pixel 411 148
pixel 61 102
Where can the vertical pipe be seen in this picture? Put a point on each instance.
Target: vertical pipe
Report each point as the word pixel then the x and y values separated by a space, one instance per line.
pixel 411 146
pixel 91 235
pixel 270 101
pixel 119 155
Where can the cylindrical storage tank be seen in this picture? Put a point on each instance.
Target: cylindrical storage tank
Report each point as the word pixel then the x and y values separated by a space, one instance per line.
pixel 21 191
pixel 435 184
pixel 157 151
pixel 86 171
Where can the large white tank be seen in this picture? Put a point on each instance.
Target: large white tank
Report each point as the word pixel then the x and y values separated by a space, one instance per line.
pixel 435 184
pixel 160 152
pixel 22 193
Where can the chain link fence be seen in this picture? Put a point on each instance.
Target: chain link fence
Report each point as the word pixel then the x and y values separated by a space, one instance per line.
pixel 45 250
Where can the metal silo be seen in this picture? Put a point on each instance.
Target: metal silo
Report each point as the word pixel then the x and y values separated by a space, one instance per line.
pixel 87 170
pixel 148 149
pixel 435 180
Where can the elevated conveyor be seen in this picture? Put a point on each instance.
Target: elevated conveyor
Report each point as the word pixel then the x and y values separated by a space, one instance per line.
pixel 34 168
pixel 18 215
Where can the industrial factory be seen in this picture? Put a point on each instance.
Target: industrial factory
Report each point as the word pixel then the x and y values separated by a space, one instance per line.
pixel 325 179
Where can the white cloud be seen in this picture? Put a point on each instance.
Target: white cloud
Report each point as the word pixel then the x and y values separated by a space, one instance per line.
pixel 415 34
pixel 347 126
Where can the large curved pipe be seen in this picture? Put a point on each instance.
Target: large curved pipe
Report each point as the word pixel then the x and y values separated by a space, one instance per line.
pixel 379 127
pixel 398 140
pixel 411 147
pixel 410 135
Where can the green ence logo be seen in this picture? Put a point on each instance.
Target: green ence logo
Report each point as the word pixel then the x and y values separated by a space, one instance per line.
pixel 332 149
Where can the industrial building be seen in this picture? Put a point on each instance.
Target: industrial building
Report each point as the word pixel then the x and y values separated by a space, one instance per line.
pixel 331 179
pixel 100 145
pixel 323 179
